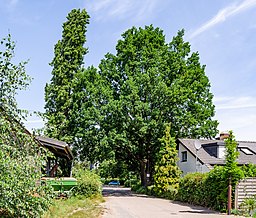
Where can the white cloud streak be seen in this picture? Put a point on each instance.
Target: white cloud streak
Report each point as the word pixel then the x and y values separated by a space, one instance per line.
pixel 237 114
pixel 224 103
pixel 121 9
pixel 223 14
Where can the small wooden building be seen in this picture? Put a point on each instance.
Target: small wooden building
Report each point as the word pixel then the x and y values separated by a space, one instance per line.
pixel 62 157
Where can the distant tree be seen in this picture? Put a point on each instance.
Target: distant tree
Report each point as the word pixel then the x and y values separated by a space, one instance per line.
pixel 167 173
pixel 152 83
pixel 20 162
pixel 231 168
pixel 68 61
pixel 232 171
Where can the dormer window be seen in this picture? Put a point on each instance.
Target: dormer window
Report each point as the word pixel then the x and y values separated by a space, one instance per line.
pixel 246 151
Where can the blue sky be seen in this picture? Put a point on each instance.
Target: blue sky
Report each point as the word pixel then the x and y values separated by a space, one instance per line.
pixel 222 31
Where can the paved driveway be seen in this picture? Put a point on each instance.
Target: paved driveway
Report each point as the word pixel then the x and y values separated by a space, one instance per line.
pixel 122 203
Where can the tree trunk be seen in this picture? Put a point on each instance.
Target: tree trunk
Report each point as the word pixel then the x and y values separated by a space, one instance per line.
pixel 143 173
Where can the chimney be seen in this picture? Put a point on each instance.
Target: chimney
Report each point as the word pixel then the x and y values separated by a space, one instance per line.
pixel 224 135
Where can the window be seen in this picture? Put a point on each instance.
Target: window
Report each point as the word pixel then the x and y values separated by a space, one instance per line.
pixel 246 151
pixel 184 156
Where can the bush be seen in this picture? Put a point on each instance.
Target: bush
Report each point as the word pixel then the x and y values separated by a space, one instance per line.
pixel 89 183
pixel 205 189
pixel 192 189
pixel 130 182
pixel 249 170
pixel 248 206
pixel 20 192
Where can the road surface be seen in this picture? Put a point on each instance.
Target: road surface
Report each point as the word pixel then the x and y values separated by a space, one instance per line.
pixel 122 203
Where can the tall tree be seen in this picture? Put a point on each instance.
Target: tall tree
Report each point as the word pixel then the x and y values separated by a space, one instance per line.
pixel 153 83
pixel 167 172
pixel 68 61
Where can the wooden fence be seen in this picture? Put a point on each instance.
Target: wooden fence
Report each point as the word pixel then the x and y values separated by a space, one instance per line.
pixel 246 188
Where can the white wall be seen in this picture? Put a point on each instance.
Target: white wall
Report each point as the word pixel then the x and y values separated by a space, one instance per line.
pixel 190 165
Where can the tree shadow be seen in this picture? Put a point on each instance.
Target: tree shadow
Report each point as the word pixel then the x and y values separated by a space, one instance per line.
pixel 119 191
pixel 116 191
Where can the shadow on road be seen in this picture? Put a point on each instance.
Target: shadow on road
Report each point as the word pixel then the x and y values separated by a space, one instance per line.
pixel 117 191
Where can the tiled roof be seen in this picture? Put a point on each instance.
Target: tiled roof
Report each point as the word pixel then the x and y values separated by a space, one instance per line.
pixel 205 157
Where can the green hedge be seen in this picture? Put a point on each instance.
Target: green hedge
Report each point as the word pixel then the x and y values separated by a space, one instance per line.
pixel 205 189
pixel 89 183
pixel 192 188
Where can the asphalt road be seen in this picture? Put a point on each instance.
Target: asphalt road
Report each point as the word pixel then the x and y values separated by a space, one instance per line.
pixel 122 203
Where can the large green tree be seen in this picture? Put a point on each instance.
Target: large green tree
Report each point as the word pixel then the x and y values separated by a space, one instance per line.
pixel 67 63
pixel 153 83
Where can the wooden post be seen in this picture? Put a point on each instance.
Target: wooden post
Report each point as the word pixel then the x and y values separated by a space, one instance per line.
pixel 229 196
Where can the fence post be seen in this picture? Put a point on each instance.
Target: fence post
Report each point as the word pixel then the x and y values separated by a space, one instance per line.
pixel 229 196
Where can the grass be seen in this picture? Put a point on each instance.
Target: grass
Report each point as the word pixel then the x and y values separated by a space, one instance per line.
pixel 76 207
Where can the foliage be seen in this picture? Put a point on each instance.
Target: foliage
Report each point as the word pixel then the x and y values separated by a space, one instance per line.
pixel 167 173
pixel 205 189
pixel 192 189
pixel 248 206
pixel 13 77
pixel 217 192
pixel 89 183
pixel 211 189
pixel 120 111
pixel 249 170
pixel 113 169
pixel 151 83
pixel 232 170
pixel 75 207
pixel 67 62
pixel 21 159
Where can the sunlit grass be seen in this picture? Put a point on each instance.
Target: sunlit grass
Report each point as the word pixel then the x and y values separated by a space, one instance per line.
pixel 76 207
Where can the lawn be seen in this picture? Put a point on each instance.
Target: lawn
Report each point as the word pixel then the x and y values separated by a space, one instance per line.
pixel 76 207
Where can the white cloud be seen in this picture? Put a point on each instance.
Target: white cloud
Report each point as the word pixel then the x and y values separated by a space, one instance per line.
pixel 237 114
pixel 147 9
pixel 121 9
pixel 223 103
pixel 223 14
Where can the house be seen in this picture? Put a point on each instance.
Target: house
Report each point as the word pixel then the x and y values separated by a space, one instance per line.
pixel 201 155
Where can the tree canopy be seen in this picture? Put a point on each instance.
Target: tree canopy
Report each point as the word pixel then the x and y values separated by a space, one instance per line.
pixel 67 62
pixel 120 110
pixel 153 83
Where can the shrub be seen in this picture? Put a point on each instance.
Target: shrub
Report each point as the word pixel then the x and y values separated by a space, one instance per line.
pixel 248 206
pixel 130 182
pixel 192 188
pixel 89 183
pixel 249 170
pixel 20 192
